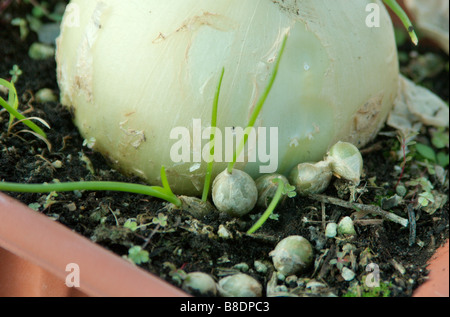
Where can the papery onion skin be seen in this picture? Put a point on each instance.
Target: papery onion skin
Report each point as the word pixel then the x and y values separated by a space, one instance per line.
pixel 134 70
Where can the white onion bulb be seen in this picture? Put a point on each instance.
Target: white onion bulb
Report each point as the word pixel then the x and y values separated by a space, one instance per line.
pixel 134 70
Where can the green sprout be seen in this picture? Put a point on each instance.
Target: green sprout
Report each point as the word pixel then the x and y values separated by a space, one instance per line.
pixel 50 199
pixel 429 154
pixel 12 105
pixel 137 255
pixel 282 190
pixel 15 72
pixel 41 10
pixel 178 274
pixel 164 192
pixel 23 27
pixel 258 107
pixel 357 290
pixel 161 220
pixel 398 10
pixel 131 224
pixel 211 153
pixel 426 196
pixel 425 199
pixel 89 143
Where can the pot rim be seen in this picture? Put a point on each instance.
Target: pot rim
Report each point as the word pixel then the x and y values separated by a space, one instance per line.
pixel 437 284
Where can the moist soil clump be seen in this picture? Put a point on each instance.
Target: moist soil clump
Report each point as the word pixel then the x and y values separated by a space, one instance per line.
pixel 178 243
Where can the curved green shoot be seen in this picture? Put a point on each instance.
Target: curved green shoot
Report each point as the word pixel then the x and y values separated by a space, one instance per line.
pixel 258 107
pixel 398 10
pixel 13 100
pixel 213 127
pixel 12 105
pixel 283 189
pixel 164 193
pixel 165 183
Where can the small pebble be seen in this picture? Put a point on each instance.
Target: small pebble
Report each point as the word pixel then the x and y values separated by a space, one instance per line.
pixel 347 274
pixel 57 164
pixel 260 267
pixel 346 227
pixel 331 230
pixel 224 233
pixel 45 95
pixel 71 207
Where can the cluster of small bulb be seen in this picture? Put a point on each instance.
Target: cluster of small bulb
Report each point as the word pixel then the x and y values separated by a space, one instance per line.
pixel 343 160
pixel 236 193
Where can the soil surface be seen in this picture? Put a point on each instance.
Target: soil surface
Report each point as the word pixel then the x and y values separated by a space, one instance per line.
pixel 176 242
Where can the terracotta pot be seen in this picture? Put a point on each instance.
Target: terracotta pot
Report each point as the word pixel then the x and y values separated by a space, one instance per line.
pixel 35 252
pixel 437 284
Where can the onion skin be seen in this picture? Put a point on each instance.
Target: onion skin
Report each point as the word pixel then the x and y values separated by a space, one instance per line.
pixel 134 70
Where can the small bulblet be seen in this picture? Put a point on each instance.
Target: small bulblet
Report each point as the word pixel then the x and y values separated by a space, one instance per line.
pixel 267 188
pixel 309 178
pixel 234 193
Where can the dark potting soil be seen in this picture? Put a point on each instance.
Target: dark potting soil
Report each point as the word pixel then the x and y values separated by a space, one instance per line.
pixel 189 244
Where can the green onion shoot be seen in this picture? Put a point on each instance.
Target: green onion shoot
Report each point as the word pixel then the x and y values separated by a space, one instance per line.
pixel 213 127
pixel 258 107
pixel 164 192
pixel 12 105
pixel 398 10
